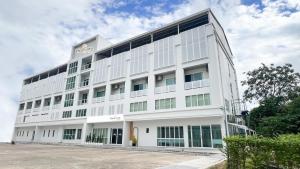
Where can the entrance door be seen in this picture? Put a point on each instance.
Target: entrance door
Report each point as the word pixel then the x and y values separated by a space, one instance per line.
pixel 33 133
pixel 116 136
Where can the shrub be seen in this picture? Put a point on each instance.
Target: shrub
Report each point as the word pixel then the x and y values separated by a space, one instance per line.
pixel 263 152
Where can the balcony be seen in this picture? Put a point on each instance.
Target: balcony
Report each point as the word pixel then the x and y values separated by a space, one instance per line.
pixel 56 106
pixel 82 102
pixel 45 108
pixel 139 93
pixel 116 96
pixel 196 84
pixel 84 83
pixel 28 111
pixel 98 99
pixel 36 109
pixel 165 89
pixel 86 66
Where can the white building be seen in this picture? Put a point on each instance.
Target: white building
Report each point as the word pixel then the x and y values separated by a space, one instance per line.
pixel 175 86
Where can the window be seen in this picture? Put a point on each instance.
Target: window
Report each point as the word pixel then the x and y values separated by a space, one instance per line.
pixel 81 113
pixel 57 99
pixel 227 107
pixel 138 106
pixel 53 132
pixel 49 133
pixel 122 89
pixel 69 134
pixel 193 77
pixel 79 134
pixel 69 100
pixel 168 103
pixel 216 136
pixel 70 83
pixel 67 114
pixel 27 133
pixel 44 133
pixel 47 102
pixel 147 130
pixel 22 106
pixel 99 135
pixel 197 100
pixel 170 136
pixel 29 105
pixel 138 87
pixel 37 103
pixel 193 23
pixel 205 136
pixel 99 92
pixel 170 81
pixel 73 67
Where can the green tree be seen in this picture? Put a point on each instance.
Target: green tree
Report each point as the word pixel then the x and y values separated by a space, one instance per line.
pixel 272 82
pixel 275 88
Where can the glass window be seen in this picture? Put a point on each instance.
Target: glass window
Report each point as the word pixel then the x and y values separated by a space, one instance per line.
pixel 138 106
pixel 197 76
pixel 170 81
pixel 100 93
pixel 170 136
pixel 216 136
pixel 70 84
pixel 188 101
pixel 69 100
pixel 73 67
pixel 81 113
pixel 79 134
pixel 69 134
pixel 206 136
pixel 196 135
pixel 206 99
pixel 188 78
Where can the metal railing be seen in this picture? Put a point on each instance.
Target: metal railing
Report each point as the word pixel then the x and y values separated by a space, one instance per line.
pixel 98 99
pixel 84 83
pixel 56 106
pixel 86 66
pixel 196 84
pixel 116 96
pixel 82 101
pixel 165 89
pixel 138 93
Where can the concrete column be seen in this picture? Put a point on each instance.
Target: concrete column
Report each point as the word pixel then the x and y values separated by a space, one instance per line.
pixel 83 133
pixel 185 136
pixel 125 138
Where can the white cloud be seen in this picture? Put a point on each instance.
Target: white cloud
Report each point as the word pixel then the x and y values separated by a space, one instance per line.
pixel 38 35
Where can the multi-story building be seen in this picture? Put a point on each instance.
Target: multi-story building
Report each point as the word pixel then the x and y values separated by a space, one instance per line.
pixel 173 86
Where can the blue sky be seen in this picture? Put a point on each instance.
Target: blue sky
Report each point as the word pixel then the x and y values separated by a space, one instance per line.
pixel 38 35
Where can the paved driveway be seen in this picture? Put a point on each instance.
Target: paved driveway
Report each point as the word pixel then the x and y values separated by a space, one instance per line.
pixel 29 156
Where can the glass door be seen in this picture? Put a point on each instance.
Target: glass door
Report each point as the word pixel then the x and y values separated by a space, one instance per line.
pixel 116 136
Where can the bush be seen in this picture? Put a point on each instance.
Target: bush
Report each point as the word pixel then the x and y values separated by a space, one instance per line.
pixel 263 152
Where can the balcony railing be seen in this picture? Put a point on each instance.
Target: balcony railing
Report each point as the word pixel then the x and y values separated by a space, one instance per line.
pixel 46 108
pixel 28 111
pixel 196 84
pixel 56 106
pixel 138 93
pixel 116 96
pixel 98 99
pixel 165 89
pixel 82 101
pixel 86 66
pixel 84 83
pixel 36 109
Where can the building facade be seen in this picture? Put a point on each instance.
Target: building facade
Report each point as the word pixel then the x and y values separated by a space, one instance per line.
pixel 171 87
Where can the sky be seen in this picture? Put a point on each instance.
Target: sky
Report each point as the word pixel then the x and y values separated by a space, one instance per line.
pixel 38 35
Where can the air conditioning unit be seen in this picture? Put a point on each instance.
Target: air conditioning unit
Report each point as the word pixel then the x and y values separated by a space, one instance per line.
pixel 159 78
pixel 116 86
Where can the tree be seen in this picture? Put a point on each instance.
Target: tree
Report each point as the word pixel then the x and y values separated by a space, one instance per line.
pixel 272 82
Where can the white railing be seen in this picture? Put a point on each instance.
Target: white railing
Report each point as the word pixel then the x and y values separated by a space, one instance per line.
pixel 56 106
pixel 196 84
pixel 84 83
pixel 138 93
pixel 86 66
pixel 116 96
pixel 27 110
pixel 165 89
pixel 36 109
pixel 82 101
pixel 46 107
pixel 98 99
